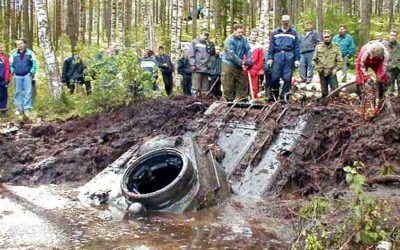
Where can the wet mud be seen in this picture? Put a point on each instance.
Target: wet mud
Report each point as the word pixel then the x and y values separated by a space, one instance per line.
pixel 76 150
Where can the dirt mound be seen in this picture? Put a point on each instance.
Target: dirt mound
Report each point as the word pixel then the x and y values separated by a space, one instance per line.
pixel 77 149
pixel 336 137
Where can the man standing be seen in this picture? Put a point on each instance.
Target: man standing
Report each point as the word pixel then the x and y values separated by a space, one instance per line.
pixel 283 54
pixel 375 56
pixel 308 42
pixel 74 73
pixel 200 52
pixel 149 64
pixel 347 47
pixel 166 66
pixel 233 63
pixel 23 66
pixel 4 80
pixel 257 54
pixel 215 73
pixel 185 70
pixel 327 60
pixel 393 66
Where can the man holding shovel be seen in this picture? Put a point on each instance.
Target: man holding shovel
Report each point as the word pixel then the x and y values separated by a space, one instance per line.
pixel 233 63
pixel 215 74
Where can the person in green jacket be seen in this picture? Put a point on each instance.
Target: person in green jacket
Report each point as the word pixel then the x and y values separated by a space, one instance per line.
pixel 347 47
pixel 327 60
pixel 393 66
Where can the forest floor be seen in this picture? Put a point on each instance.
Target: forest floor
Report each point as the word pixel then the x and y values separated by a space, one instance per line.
pixel 74 151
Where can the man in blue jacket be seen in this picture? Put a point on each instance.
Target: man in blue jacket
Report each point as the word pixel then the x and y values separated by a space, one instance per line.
pixel 23 66
pixel 74 73
pixel 283 54
pixel 308 42
pixel 236 57
pixel 347 47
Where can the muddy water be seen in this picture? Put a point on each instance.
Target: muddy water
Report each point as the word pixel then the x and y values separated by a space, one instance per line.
pixel 241 223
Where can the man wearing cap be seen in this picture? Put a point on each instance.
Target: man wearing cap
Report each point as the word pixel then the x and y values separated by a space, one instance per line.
pixel 375 56
pixel 200 51
pixel 347 47
pixel 327 61
pixel 283 54
pixel 236 57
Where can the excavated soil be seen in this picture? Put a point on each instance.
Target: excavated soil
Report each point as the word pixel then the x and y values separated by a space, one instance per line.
pixel 336 136
pixel 78 149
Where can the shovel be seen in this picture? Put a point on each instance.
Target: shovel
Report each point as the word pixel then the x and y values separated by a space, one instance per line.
pixel 250 85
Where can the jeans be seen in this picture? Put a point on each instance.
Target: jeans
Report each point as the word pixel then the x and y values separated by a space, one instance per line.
pixel 3 96
pixel 306 67
pixel 187 84
pixel 345 67
pixel 23 92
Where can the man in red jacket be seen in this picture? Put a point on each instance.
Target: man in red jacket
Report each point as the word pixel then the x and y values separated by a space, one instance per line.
pixel 5 76
pixel 372 55
pixel 257 52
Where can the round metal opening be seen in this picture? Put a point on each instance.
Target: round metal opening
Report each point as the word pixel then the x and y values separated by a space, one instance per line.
pixel 158 178
pixel 155 173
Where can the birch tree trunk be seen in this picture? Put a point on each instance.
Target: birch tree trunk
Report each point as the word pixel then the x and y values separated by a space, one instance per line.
pixel 147 7
pixel 206 18
pixel 176 29
pixel 264 23
pixel 49 55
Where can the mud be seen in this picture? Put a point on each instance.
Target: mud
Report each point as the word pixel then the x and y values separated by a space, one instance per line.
pixel 338 136
pixel 77 149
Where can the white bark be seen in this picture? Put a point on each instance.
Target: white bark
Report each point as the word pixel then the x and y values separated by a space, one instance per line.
pixel 264 23
pixel 176 29
pixel 49 55
pixel 206 14
pixel 147 7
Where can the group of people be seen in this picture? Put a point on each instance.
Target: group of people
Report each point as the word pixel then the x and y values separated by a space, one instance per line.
pixel 243 67
pixel 246 64
pixel 22 66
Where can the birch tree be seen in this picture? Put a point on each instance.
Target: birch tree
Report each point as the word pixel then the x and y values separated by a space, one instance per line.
pixel 49 55
pixel 176 29
pixel 264 22
pixel 147 7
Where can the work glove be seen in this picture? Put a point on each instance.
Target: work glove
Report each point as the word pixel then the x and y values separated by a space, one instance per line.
pixel 334 71
pixel 248 64
pixel 297 63
pixel 269 62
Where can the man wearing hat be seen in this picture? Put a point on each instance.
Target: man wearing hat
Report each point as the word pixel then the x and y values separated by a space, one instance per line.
pixel 283 55
pixel 200 52
pixel 327 61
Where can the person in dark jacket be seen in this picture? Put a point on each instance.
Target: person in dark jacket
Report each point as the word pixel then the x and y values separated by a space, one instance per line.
pixel 283 55
pixel 149 64
pixel 74 73
pixel 5 76
pixel 308 42
pixel 215 73
pixel 185 70
pixel 200 51
pixel 167 68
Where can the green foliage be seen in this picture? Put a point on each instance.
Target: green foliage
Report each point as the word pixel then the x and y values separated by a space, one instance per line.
pixel 118 80
pixel 316 208
pixel 365 223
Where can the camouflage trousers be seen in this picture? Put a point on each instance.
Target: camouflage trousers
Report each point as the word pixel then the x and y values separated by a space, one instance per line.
pixel 233 82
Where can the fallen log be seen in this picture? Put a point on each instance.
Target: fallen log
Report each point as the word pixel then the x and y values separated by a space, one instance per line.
pixel 383 179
